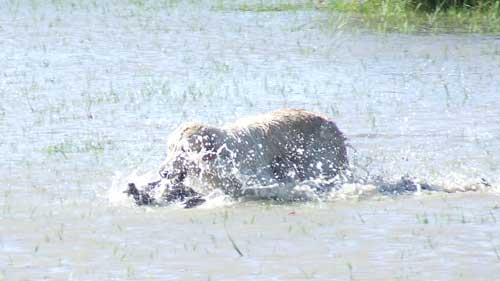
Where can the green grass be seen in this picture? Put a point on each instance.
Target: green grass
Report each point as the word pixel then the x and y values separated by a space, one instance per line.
pixel 425 15
pixel 406 16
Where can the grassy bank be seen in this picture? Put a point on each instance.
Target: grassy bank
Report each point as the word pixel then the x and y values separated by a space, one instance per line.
pixel 423 15
pixel 407 16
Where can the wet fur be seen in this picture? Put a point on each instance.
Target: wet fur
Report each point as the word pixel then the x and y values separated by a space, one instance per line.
pixel 287 145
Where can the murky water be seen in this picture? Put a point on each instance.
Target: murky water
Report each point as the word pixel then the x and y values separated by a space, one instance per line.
pixel 89 93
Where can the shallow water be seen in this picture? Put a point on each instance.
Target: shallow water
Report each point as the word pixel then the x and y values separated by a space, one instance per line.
pixel 89 93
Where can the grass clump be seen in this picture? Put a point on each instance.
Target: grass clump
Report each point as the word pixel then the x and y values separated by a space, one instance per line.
pixel 433 5
pixel 423 15
pixel 95 146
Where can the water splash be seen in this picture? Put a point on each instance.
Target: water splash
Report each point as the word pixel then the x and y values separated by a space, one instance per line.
pixel 354 187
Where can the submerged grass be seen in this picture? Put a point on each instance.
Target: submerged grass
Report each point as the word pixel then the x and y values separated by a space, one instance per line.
pixel 235 247
pixel 264 6
pixel 281 7
pixel 94 146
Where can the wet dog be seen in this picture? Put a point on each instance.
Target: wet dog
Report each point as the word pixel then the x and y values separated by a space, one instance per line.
pixel 284 146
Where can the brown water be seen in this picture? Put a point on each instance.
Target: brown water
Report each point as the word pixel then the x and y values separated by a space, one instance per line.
pixel 89 93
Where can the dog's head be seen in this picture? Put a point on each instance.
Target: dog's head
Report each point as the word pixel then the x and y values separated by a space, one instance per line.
pixel 189 148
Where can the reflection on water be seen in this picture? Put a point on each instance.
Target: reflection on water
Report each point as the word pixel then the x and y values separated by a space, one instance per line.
pixel 91 90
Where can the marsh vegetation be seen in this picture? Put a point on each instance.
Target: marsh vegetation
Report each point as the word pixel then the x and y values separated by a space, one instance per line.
pixel 406 16
pixel 423 16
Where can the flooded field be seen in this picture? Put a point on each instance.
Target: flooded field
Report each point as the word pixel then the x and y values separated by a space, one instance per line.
pixel 90 91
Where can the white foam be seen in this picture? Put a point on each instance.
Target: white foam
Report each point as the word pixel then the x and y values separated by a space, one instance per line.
pixel 349 191
pixel 216 199
pixel 365 189
pixel 455 182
